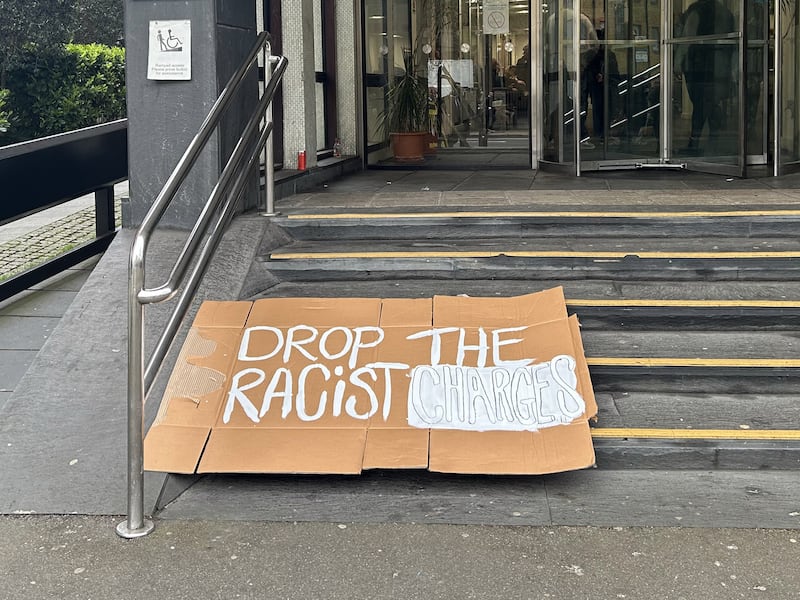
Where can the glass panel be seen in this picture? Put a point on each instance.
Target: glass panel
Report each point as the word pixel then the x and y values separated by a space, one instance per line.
pixel 560 75
pixel 621 80
pixel 319 67
pixel 478 72
pixel 318 59
pixel 756 108
pixel 790 83
pixel 320 104
pixel 706 58
pixel 376 65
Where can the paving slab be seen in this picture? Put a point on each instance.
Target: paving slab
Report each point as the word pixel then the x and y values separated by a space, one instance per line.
pixel 38 303
pixel 25 332
pixel 13 364
pixel 80 557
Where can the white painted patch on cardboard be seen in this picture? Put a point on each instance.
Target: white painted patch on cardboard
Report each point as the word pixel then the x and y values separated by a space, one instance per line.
pixel 521 398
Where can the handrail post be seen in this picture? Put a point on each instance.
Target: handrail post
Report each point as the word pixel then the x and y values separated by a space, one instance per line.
pixel 269 158
pixel 135 525
pixel 139 378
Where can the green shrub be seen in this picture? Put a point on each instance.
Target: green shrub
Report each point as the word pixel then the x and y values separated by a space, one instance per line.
pixel 4 113
pixel 58 89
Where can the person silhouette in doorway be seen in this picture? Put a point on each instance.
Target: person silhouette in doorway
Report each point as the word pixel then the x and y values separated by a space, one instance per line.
pixel 707 68
pixel 602 70
pixel 560 63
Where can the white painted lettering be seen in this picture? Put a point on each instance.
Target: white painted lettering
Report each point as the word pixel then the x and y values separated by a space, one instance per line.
pixel 436 341
pixel 355 379
pixel 424 381
pixel 300 400
pixel 498 343
pixel 323 343
pixel 482 348
pixel 272 392
pixel 244 345
pixel 512 395
pixel 387 376
pixel 293 342
pixel 235 394
pixel 360 344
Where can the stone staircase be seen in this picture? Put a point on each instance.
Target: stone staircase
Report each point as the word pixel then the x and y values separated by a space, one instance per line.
pixel 690 319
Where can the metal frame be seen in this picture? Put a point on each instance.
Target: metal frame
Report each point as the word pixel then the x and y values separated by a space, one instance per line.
pixel 665 124
pixel 536 92
pixel 219 208
pixel 78 162
pixel 777 160
pixel 576 86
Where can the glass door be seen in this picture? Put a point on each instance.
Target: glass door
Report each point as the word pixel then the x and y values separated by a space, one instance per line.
pixel 757 88
pixel 478 63
pixel 708 133
pixel 655 83
pixel 476 58
pixel 603 63
pixel 787 87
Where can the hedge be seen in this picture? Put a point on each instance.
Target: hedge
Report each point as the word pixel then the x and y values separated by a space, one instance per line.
pixel 58 89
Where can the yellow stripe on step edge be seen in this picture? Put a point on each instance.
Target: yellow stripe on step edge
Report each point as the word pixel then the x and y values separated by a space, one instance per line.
pixel 642 302
pixel 714 434
pixel 597 361
pixel 549 214
pixel 421 254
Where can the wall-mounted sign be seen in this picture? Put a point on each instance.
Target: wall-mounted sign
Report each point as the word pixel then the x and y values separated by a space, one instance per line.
pixel 495 16
pixel 169 55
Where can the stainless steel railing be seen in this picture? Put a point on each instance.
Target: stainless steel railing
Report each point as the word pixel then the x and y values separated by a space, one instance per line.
pixel 197 252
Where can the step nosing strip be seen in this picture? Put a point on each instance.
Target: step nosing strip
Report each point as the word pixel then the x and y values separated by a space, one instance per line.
pixel 548 214
pixel 692 362
pixel 675 303
pixel 782 254
pixel 716 434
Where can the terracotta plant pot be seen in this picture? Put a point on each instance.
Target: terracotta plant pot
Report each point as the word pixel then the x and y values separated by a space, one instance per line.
pixel 410 147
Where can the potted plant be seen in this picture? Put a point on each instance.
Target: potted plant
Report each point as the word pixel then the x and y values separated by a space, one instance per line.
pixel 406 113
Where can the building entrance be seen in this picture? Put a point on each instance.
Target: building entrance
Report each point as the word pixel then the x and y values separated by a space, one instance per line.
pixel 705 85
pixel 656 83
pixel 475 59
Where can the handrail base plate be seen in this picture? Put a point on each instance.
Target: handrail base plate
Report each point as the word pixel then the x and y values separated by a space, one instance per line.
pixel 126 532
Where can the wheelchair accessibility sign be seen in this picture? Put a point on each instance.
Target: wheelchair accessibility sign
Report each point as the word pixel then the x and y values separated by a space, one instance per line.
pixel 169 54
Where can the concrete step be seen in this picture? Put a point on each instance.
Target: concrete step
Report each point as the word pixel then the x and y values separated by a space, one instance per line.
pixel 689 321
pixel 600 304
pixel 530 265
pixel 544 222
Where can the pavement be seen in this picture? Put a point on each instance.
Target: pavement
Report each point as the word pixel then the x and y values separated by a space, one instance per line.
pixel 62 459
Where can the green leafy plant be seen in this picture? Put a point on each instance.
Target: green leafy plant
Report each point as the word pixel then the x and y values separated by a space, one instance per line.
pixel 407 101
pixel 25 22
pixel 5 115
pixel 61 88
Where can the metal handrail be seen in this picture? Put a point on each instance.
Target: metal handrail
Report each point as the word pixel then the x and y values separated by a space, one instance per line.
pixel 219 209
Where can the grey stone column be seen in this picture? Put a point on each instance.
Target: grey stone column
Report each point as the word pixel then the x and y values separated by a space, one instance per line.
pixel 164 116
pixel 299 82
pixel 348 77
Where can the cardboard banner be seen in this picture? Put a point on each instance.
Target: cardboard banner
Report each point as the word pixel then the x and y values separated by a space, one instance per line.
pixel 321 385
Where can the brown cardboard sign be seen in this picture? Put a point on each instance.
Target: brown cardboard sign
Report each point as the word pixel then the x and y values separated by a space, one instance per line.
pixel 336 385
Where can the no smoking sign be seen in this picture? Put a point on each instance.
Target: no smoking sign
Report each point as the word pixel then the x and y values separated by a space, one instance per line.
pixel 495 16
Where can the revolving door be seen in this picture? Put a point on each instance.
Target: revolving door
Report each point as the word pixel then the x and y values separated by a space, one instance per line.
pixel 669 83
